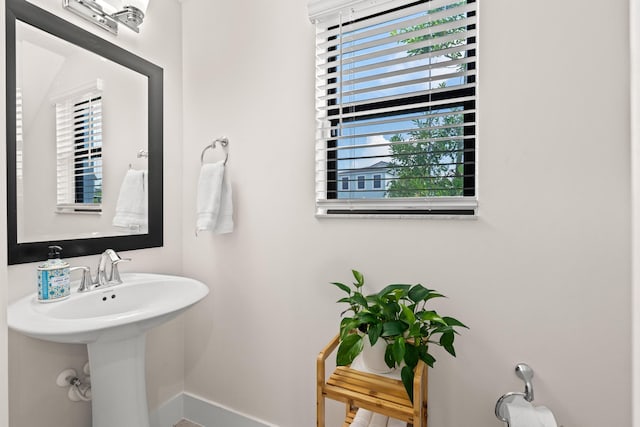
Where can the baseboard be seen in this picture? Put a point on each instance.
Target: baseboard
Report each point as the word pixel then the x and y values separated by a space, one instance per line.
pixel 169 413
pixel 202 411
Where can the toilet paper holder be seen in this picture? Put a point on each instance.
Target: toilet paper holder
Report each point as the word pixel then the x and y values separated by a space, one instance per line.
pixel 525 373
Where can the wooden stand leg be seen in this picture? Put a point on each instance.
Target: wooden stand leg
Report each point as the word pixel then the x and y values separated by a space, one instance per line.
pixel 320 407
pixel 420 390
pixel 321 378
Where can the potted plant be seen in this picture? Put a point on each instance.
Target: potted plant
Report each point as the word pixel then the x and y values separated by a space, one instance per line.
pixel 399 316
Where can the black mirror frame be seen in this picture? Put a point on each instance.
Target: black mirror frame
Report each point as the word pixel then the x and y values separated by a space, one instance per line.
pixel 37 251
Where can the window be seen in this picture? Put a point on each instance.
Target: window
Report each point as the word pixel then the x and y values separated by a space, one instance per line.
pixel 79 152
pixel 396 85
pixel 345 183
pixel 19 140
pixel 377 181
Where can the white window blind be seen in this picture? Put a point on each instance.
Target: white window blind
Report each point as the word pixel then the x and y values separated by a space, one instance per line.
pixel 19 139
pixel 396 103
pixel 79 152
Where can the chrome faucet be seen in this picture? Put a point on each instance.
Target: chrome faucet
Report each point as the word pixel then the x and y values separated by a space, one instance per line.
pixel 109 258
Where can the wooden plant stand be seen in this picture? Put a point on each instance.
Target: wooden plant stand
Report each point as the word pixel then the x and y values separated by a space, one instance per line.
pixel 370 391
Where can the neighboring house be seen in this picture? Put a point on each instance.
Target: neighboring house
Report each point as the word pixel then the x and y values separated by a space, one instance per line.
pixel 364 183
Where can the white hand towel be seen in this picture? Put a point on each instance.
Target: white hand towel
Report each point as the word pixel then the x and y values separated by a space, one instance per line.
pixel 131 208
pixel 214 200
pixel 225 216
pixel 396 423
pixel 378 420
pixel 362 418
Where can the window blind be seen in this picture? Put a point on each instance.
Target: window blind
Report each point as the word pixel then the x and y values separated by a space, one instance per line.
pixel 396 104
pixel 79 153
pixel 19 140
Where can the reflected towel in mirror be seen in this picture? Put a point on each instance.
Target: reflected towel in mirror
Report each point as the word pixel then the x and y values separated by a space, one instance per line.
pixel 131 208
pixel 214 199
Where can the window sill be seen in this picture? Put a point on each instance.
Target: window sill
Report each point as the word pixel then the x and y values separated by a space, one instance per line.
pixel 400 208
pixel 471 217
pixel 79 209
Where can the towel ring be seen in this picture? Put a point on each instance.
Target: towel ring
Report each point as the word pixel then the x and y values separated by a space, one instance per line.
pixel 141 153
pixel 224 141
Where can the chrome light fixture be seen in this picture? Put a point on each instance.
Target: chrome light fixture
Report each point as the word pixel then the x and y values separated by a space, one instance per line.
pixel 107 14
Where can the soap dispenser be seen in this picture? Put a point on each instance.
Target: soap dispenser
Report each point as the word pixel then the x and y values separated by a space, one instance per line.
pixel 53 277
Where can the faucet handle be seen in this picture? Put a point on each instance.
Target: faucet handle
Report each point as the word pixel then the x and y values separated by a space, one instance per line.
pixel 113 255
pixel 115 274
pixel 85 281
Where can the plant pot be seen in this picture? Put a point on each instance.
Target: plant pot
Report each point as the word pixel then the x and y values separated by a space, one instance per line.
pixel 373 357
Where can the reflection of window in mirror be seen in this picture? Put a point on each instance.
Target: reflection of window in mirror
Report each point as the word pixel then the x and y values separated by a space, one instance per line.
pixel 79 152
pixel 19 150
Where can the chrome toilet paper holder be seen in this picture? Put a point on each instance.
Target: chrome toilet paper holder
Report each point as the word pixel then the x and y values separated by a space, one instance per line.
pixel 525 373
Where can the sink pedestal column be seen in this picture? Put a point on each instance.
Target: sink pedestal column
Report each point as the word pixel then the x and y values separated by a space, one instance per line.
pixel 118 386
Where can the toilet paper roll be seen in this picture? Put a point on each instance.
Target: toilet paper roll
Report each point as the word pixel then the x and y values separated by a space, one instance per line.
pixel 545 416
pixel 520 413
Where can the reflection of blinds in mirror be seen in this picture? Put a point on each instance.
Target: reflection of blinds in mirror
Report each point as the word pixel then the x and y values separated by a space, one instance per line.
pixel 79 153
pixel 19 148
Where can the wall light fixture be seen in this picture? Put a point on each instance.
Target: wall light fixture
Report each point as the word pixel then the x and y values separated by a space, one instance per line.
pixel 107 14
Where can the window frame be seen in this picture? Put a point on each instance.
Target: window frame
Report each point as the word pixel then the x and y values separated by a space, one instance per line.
pixel 333 205
pixel 83 121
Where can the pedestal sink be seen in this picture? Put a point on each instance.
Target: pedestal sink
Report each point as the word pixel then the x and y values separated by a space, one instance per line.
pixel 112 321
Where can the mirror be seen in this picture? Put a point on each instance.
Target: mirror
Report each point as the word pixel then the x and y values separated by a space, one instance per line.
pixel 84 140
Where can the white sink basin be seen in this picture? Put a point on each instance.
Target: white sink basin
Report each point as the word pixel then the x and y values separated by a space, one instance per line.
pixel 112 322
pixel 141 302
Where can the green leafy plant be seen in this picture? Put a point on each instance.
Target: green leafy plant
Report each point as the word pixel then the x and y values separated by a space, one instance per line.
pixel 398 314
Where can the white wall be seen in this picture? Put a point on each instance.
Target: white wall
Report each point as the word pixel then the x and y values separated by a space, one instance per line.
pixel 542 276
pixel 33 365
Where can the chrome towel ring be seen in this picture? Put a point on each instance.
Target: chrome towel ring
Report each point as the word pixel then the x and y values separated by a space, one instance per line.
pixel 224 141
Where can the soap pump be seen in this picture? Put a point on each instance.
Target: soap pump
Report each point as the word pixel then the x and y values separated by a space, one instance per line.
pixel 53 277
